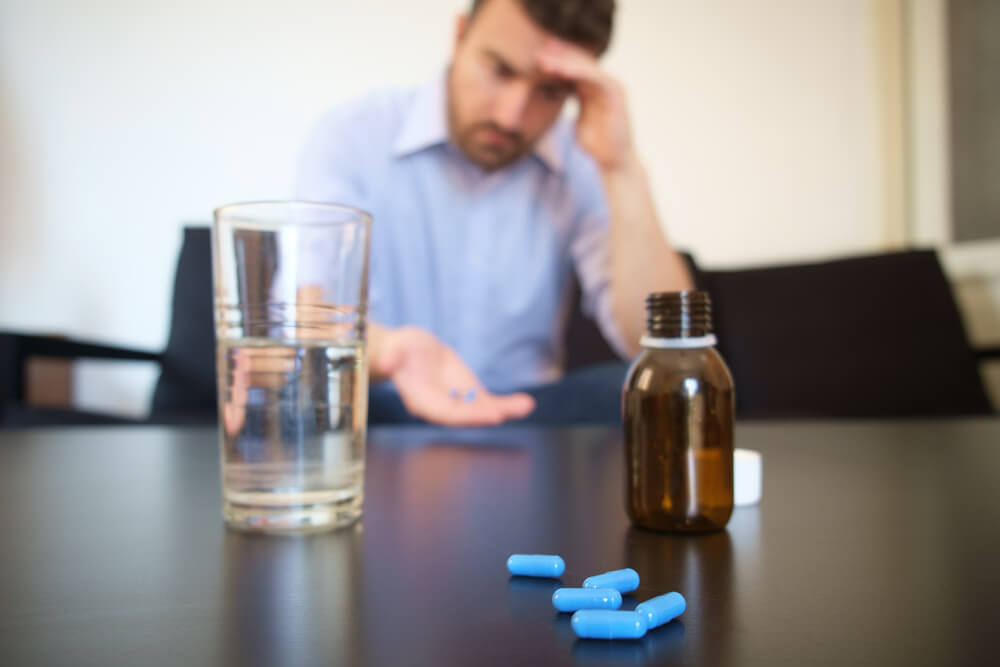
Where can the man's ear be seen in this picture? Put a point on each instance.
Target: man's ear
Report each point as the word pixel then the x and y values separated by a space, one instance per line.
pixel 461 28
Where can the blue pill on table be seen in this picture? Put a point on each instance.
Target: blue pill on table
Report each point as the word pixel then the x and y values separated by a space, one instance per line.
pixel 662 609
pixel 536 565
pixel 574 599
pixel 623 581
pixel 608 624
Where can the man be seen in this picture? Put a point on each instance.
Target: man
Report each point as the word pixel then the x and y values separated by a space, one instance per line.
pixel 485 199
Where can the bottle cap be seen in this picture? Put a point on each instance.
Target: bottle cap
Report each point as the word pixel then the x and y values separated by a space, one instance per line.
pixel 747 477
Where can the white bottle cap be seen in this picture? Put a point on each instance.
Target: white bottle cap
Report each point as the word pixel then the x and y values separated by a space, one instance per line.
pixel 746 477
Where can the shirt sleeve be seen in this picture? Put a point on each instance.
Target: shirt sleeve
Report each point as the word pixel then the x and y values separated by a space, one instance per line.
pixel 329 167
pixel 590 249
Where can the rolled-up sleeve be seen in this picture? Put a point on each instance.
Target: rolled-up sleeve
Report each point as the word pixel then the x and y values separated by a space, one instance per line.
pixel 590 249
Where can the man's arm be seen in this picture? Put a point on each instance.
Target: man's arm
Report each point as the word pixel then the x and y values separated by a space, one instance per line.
pixel 642 260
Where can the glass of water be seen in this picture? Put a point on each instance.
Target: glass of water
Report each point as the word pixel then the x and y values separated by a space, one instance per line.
pixel 291 299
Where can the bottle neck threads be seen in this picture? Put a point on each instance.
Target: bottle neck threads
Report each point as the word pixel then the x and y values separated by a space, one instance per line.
pixel 679 314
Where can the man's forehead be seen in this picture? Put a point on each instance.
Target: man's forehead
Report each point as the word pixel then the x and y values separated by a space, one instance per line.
pixel 523 60
pixel 502 30
pixel 505 27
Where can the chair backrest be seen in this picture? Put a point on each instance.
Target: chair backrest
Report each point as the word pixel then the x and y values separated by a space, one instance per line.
pixel 187 380
pixel 870 336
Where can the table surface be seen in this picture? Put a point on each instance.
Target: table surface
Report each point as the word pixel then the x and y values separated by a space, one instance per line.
pixel 875 543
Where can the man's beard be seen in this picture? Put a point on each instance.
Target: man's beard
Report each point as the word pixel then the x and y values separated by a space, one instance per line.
pixel 492 155
pixel 487 157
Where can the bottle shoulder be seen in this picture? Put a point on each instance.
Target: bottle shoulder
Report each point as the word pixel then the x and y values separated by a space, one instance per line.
pixel 658 370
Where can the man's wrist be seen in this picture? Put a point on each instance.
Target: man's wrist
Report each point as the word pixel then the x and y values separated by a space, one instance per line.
pixel 377 347
pixel 628 166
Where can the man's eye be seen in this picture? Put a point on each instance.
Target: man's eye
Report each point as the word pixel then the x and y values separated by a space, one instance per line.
pixel 502 71
pixel 552 92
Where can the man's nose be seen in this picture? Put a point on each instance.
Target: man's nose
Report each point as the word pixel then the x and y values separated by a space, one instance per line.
pixel 511 105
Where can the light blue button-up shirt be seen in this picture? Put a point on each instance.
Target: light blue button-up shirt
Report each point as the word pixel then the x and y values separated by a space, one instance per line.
pixel 481 259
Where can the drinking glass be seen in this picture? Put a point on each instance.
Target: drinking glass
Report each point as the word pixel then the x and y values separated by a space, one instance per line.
pixel 291 290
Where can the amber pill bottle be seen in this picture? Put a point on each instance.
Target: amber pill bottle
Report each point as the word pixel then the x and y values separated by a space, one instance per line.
pixel 678 403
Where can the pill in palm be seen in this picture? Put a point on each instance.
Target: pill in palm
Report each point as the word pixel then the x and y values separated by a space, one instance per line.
pixel 536 565
pixel 661 609
pixel 623 581
pixel 608 624
pixel 574 599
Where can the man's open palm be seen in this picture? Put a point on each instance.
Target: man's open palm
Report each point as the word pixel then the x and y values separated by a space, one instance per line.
pixel 437 386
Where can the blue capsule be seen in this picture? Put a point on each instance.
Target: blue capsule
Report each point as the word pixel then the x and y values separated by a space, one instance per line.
pixel 661 609
pixel 574 599
pixel 536 565
pixel 607 624
pixel 623 581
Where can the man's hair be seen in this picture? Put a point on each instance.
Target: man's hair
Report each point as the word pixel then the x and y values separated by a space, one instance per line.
pixel 587 23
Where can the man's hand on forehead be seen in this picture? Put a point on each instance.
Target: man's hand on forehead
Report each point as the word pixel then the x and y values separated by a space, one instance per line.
pixel 569 62
pixel 603 125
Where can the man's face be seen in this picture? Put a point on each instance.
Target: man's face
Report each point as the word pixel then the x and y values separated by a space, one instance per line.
pixel 498 102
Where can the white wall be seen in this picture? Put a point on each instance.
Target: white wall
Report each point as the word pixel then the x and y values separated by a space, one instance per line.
pixel 761 123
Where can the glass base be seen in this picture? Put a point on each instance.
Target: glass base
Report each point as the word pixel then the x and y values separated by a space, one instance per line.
pixel 292 520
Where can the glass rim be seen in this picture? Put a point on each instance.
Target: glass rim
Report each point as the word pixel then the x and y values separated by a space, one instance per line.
pixel 230 212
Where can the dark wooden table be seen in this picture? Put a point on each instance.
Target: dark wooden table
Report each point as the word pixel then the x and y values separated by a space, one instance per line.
pixel 876 543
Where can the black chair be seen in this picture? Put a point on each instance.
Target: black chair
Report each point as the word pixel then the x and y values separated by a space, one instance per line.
pixel 876 336
pixel 861 337
pixel 17 350
pixel 185 391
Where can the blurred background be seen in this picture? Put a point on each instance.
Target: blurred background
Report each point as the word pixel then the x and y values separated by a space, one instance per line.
pixel 774 131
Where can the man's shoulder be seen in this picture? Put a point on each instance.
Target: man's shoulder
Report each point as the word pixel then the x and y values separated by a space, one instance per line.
pixel 368 117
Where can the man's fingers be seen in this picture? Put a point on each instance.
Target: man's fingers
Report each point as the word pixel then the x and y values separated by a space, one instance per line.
pixel 464 415
pixel 488 409
pixel 484 409
pixel 567 69
pixel 515 406
pixel 439 408
pixel 571 64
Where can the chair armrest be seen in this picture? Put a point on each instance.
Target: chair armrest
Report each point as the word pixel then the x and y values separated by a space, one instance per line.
pixel 64 348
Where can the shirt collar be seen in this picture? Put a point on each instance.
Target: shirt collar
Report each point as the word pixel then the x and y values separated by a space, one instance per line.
pixel 426 122
pixel 550 150
pixel 426 125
